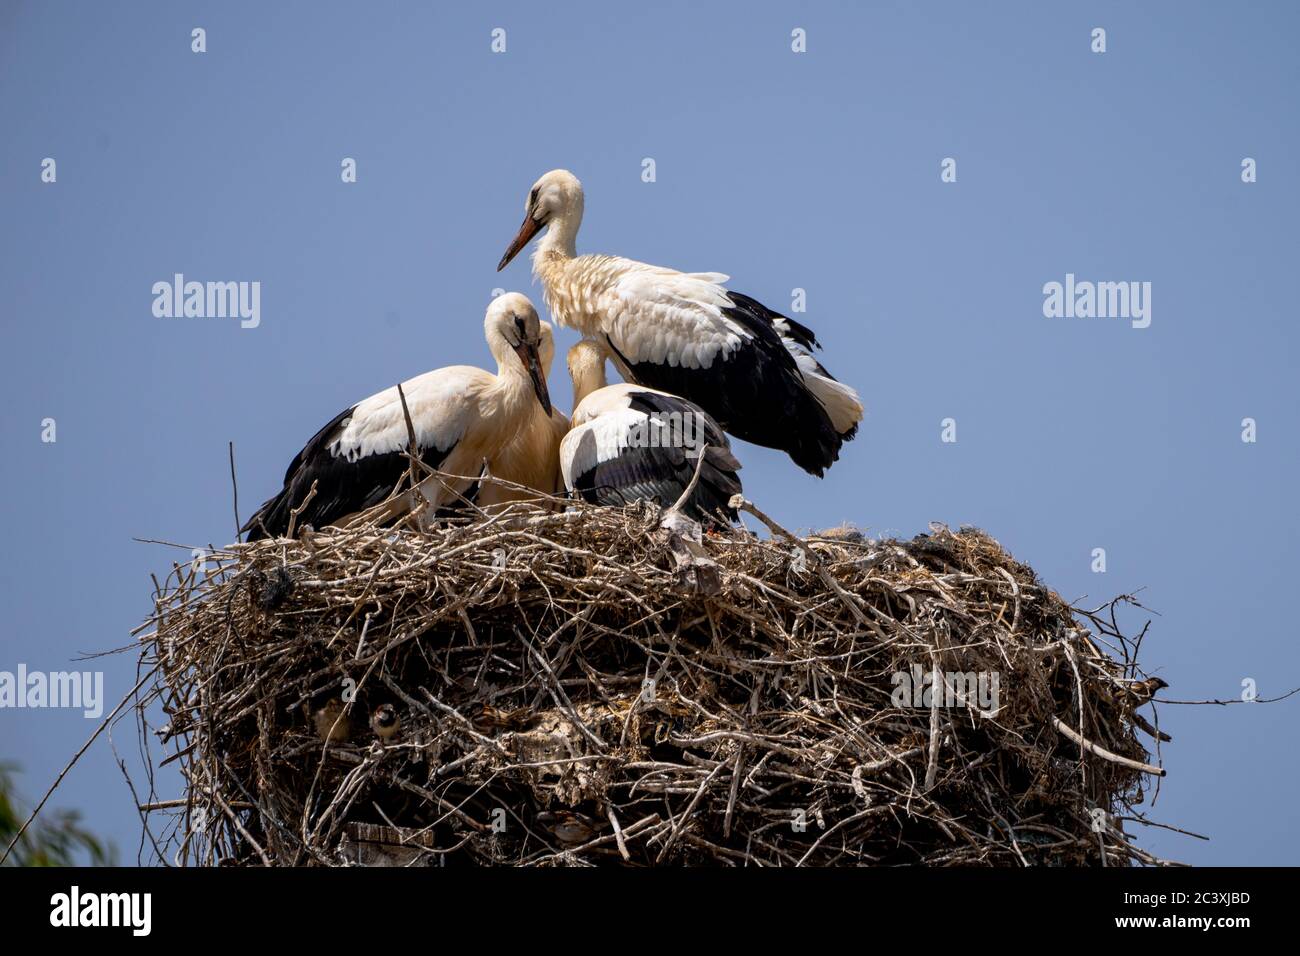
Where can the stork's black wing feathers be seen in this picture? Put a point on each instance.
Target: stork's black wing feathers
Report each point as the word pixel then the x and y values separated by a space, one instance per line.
pixel 318 442
pixel 798 331
pixel 757 393
pixel 662 472
pixel 342 487
pixel 662 477
pixel 654 404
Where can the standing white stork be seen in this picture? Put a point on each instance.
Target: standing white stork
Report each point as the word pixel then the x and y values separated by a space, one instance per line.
pixel 752 369
pixel 532 457
pixel 461 416
pixel 629 443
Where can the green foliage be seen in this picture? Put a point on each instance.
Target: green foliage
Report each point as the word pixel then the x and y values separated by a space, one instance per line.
pixel 57 839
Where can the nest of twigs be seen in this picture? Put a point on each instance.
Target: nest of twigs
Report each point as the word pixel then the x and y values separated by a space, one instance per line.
pixel 599 686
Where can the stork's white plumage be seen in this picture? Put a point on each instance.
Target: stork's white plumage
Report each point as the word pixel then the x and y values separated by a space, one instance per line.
pixel 629 443
pixel 532 457
pixel 461 417
pixel 684 333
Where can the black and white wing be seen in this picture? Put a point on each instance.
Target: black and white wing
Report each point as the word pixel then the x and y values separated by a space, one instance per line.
pixel 358 458
pixel 629 443
pixel 747 366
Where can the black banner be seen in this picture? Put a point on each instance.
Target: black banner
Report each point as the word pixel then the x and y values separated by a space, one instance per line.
pixel 331 906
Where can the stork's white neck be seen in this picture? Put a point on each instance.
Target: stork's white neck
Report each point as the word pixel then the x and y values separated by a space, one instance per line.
pixel 587 370
pixel 510 394
pixel 561 238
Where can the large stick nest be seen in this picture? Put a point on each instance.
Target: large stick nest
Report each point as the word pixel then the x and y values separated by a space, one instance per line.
pixel 592 686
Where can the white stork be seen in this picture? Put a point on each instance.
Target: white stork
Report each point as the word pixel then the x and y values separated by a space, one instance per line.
pixel 461 416
pixel 752 369
pixel 532 457
pixel 630 443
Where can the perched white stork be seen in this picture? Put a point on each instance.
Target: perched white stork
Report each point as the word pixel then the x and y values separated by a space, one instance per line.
pixel 752 369
pixel 630 443
pixel 532 457
pixel 461 416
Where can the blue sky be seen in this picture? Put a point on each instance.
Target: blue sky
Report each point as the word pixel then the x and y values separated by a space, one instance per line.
pixel 818 171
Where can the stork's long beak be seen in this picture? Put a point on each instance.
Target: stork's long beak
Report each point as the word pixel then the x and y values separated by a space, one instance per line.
pixel 526 232
pixel 528 355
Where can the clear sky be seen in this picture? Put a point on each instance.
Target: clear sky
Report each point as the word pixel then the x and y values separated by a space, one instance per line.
pixel 818 171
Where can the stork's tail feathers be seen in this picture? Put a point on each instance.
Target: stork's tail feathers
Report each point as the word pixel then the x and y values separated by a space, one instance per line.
pixel 815 450
pixel 842 404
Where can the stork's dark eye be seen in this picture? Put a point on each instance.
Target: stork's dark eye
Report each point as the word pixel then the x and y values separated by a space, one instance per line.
pixel 519 324
pixel 532 198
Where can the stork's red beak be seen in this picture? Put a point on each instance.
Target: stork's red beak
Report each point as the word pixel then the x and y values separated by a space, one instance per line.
pixel 526 232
